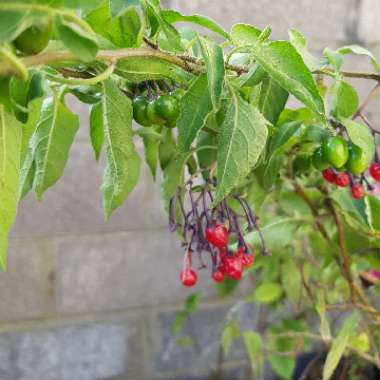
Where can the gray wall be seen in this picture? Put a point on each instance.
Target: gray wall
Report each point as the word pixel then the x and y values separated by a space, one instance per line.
pixel 84 299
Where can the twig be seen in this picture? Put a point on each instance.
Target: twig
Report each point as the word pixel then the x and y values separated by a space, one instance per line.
pixel 367 100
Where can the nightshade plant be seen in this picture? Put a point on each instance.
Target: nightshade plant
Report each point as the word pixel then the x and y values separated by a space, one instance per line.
pixel 213 115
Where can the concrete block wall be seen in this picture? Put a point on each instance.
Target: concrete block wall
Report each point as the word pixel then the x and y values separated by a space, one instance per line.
pixel 88 300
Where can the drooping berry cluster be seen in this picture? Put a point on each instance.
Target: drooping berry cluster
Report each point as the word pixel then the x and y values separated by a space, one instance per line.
pixel 209 229
pixel 156 103
pixel 344 164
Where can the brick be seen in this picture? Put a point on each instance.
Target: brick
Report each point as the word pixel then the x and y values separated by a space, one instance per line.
pixel 368 24
pixel 73 206
pixel 83 352
pixel 120 271
pixel 307 16
pixel 205 328
pixel 26 285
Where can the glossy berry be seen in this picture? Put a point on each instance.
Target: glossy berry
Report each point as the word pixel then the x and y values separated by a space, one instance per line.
pixel 234 267
pixel 248 260
pixel 217 235
pixel 318 159
pixel 166 107
pixel 218 275
pixel 140 111
pixel 357 191
pixel 329 175
pixel 335 151
pixel 188 277
pixel 357 160
pixel 374 170
pixel 151 112
pixel 342 179
pixel 35 38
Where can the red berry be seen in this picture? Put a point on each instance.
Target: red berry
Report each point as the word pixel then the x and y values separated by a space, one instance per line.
pixel 342 179
pixel 217 235
pixel 248 260
pixel 234 267
pixel 329 175
pixel 357 191
pixel 374 170
pixel 188 277
pixel 218 275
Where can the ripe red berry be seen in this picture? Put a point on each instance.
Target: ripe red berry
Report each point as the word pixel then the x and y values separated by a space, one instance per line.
pixel 234 267
pixel 248 260
pixel 329 175
pixel 342 179
pixel 357 191
pixel 217 235
pixel 188 277
pixel 218 275
pixel 374 170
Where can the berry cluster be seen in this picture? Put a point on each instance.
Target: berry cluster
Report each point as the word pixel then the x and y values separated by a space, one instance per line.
pixel 210 229
pixel 156 103
pixel 344 164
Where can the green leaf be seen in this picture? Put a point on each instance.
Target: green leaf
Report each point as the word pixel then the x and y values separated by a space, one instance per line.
pixel 12 23
pixel 80 42
pixel 372 204
pixel 291 281
pixel 96 129
pixel 334 58
pixel 345 99
pixel 244 34
pixel 50 144
pixel 285 65
pixel 356 49
pixel 191 303
pixel 272 99
pixel 123 162
pixel 138 69
pixel 122 31
pixel 173 16
pixel 167 148
pixel 299 42
pixel 321 309
pixel 194 108
pixel 255 75
pixel 173 176
pixel 283 134
pixel 242 139
pixel 268 293
pixel 116 6
pixel 10 141
pixel 360 135
pixel 151 153
pixel 230 333
pixel 254 347
pixel 339 345
pixel 213 57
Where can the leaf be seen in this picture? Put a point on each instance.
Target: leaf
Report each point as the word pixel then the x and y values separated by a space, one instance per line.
pixel 173 176
pixel 356 49
pixel 214 61
pixel 50 144
pixel 12 23
pixel 244 34
pixel 255 76
pixel 96 129
pixel 230 332
pixel 123 163
pixel 254 347
pixel 151 153
pixel 123 31
pixel 268 293
pixel 116 6
pixel 321 309
pixel 242 139
pixel 339 345
pixel 10 142
pixel 291 281
pixel 194 108
pixel 345 100
pixel 272 99
pixel 138 69
pixel 80 42
pixel 191 303
pixel 172 17
pixel 167 148
pixel 361 136
pixel 372 204
pixel 299 42
pixel 283 134
pixel 285 65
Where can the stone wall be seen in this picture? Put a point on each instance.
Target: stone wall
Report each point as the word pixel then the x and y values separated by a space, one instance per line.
pixel 88 300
